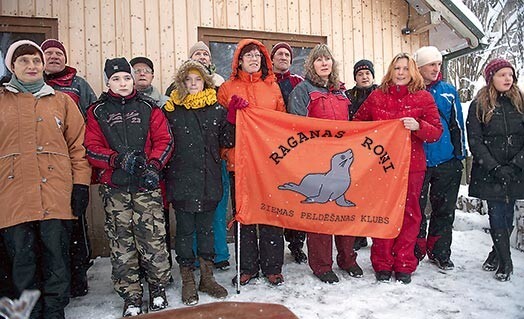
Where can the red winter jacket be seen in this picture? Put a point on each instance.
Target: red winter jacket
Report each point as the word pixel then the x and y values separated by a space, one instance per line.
pixel 134 108
pixel 398 103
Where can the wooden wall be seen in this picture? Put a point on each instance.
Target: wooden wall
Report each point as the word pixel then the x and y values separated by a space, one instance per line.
pixel 163 30
pixel 93 30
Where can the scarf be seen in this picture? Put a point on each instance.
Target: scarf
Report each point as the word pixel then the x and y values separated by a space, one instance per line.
pixel 26 87
pixel 192 101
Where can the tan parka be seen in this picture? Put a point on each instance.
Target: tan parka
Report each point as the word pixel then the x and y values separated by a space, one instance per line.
pixel 41 155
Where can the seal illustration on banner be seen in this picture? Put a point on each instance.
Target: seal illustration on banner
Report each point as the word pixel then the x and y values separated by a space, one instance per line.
pixel 326 187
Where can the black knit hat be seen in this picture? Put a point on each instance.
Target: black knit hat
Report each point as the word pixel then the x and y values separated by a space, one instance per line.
pixel 116 65
pixel 142 59
pixel 363 65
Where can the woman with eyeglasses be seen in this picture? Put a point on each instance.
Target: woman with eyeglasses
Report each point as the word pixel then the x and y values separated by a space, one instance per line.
pixel 253 84
pixel 402 96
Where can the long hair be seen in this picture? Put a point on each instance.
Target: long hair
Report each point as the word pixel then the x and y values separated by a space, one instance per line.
pixel 318 51
pixel 416 83
pixel 487 100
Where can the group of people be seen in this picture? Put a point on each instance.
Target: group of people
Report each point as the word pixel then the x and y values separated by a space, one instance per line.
pixel 150 151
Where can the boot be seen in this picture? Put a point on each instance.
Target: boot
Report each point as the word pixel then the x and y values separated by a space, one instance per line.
pixel 189 292
pixel 207 281
pixel 500 239
pixel 492 262
pixel 157 297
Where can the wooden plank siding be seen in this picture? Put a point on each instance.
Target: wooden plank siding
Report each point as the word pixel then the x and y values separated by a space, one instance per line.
pixel 93 30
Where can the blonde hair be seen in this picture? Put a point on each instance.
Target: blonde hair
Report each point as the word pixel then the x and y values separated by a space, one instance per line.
pixel 321 50
pixel 487 101
pixel 416 83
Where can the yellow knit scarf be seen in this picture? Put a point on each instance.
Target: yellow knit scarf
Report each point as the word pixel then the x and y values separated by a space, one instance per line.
pixel 192 101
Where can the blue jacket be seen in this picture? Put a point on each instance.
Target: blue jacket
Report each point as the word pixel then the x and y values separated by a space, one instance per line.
pixel 441 151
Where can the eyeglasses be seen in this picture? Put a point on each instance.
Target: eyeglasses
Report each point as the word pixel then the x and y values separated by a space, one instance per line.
pixel 252 56
pixel 145 71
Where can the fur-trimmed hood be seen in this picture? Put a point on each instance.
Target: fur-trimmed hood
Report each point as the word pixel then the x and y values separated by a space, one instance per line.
pixel 266 66
pixel 184 70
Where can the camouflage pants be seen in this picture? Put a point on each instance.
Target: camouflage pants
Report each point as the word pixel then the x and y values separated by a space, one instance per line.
pixel 135 228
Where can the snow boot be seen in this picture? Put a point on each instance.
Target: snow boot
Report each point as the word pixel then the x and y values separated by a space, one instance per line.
pixel 492 262
pixel 157 297
pixel 383 276
pixel 132 306
pixel 328 277
pixel 355 271
pixel 500 239
pixel 403 277
pixel 189 292
pixel 207 281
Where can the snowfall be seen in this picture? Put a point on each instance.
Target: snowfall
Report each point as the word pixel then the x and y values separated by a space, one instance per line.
pixel 464 292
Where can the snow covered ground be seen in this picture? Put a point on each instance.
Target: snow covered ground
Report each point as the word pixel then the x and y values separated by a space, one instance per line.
pixel 465 292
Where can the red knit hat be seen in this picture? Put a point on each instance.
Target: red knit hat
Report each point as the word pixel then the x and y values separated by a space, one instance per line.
pixel 494 65
pixel 53 43
pixel 282 45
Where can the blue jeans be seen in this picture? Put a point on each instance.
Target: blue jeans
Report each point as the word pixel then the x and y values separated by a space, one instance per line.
pixel 220 222
pixel 501 214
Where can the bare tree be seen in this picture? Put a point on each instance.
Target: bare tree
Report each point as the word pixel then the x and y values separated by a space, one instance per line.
pixel 503 22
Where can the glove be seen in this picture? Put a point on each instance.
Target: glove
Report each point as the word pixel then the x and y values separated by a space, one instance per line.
pixel 151 176
pixel 131 162
pixel 236 103
pixel 504 172
pixel 79 199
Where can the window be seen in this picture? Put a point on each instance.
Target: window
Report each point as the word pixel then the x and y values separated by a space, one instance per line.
pixel 13 29
pixel 223 42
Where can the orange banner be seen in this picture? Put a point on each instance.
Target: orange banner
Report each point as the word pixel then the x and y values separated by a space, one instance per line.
pixel 322 176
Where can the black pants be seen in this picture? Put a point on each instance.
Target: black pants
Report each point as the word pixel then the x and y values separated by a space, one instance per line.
pixel 443 182
pixel 80 254
pixel 262 249
pixel 295 238
pixel 187 224
pixel 39 254
pixel 6 284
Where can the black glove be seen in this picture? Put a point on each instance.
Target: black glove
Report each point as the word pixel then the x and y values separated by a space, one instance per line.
pixel 131 162
pixel 150 177
pixel 504 172
pixel 79 199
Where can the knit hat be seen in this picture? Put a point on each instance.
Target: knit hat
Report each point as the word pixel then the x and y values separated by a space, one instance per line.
pixel 142 59
pixel 282 45
pixel 53 43
pixel 116 65
pixel 10 56
pixel 363 65
pixel 426 55
pixel 494 65
pixel 198 46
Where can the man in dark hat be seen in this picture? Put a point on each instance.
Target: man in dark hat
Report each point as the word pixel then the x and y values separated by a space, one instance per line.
pixel 282 57
pixel 144 75
pixel 65 79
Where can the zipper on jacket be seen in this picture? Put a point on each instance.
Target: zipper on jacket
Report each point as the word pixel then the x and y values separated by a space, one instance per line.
pixel 506 185
pixel 123 103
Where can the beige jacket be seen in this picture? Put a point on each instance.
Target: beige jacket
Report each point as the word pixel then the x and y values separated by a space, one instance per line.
pixel 41 155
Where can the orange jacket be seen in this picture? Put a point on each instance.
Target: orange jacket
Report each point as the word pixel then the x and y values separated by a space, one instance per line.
pixel 41 156
pixel 258 91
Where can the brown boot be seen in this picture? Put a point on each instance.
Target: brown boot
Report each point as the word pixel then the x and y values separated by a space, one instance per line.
pixel 207 281
pixel 189 292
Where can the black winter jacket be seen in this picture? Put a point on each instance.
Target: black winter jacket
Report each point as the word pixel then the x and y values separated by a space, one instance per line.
pixel 193 175
pixel 500 142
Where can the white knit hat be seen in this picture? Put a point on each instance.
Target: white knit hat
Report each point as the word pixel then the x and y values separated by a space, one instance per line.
pixel 425 55
pixel 16 45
